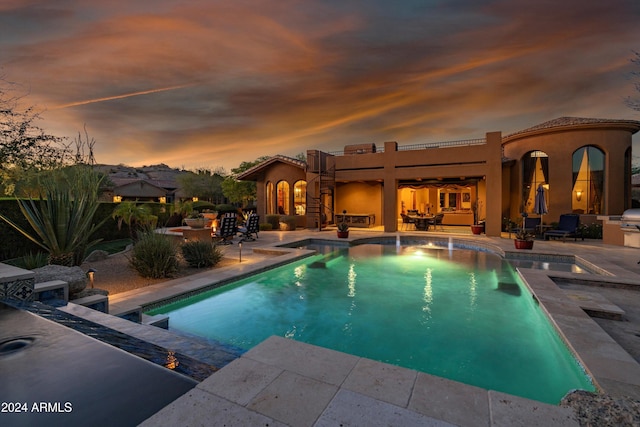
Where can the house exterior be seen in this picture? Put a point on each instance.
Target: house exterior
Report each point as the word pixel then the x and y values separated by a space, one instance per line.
pixel 137 190
pixel 581 165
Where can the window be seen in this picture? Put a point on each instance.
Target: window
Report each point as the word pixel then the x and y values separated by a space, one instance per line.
pixel 587 194
pixel 300 197
pixel 269 198
pixel 282 190
pixel 535 172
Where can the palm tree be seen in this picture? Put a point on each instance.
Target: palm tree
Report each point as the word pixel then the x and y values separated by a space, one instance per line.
pixel 136 217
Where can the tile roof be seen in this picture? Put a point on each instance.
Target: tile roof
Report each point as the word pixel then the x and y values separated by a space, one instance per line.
pixel 277 158
pixel 576 121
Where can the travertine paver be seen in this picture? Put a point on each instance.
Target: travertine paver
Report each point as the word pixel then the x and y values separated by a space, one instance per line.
pixel 353 409
pixel 311 361
pixel 443 399
pixel 199 408
pixel 241 380
pixel 512 411
pixel 294 399
pixel 382 381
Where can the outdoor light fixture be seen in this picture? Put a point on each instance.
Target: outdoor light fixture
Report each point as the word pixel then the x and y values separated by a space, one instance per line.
pixel 240 250
pixel 90 273
pixel 578 195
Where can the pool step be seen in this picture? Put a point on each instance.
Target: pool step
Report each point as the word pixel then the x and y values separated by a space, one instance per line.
pixel 595 305
pixel 325 260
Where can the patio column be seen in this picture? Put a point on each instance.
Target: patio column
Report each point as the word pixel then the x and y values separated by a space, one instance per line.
pixel 390 188
pixel 493 221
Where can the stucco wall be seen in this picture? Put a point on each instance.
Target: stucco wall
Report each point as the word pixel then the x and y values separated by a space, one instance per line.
pixel 560 146
pixel 360 198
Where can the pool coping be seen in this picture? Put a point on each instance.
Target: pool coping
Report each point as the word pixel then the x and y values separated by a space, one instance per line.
pixel 613 370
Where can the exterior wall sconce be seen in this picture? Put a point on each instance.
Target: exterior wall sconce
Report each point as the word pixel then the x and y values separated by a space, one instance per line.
pixel 578 195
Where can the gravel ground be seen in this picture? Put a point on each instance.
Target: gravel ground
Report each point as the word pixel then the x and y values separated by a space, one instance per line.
pixel 115 275
pixel 601 410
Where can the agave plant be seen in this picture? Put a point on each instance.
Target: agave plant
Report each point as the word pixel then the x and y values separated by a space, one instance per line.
pixel 62 216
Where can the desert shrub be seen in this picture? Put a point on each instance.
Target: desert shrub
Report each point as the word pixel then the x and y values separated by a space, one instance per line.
pixel 290 221
pixel 30 261
pixel 202 205
pixel 265 226
pixel 225 208
pixel 274 220
pixel 34 260
pixel 154 255
pixel 200 254
pixel 591 231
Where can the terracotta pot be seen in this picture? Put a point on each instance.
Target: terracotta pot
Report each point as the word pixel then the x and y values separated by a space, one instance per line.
pixel 343 234
pixel 477 229
pixel 523 244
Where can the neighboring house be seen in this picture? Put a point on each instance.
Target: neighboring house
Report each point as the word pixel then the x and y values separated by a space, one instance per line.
pixel 138 189
pixel 583 165
pixel 155 183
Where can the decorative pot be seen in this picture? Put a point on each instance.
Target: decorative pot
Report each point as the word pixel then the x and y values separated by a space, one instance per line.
pixel 477 228
pixel 523 244
pixel 195 222
pixel 343 234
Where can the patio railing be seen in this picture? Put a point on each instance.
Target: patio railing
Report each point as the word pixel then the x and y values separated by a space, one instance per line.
pixel 425 145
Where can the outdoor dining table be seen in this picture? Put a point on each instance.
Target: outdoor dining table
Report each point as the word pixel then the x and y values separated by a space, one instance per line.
pixel 421 222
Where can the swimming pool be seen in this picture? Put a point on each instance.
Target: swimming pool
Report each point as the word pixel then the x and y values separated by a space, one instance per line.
pixel 459 314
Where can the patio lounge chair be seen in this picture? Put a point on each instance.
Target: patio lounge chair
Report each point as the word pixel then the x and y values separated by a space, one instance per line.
pixel 567 227
pixel 227 228
pixel 250 230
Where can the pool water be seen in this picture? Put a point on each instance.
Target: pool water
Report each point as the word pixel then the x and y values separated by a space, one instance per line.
pixel 459 314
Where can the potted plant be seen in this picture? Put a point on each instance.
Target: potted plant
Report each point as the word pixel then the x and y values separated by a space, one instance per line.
pixel 478 226
pixel 195 220
pixel 343 227
pixel 523 240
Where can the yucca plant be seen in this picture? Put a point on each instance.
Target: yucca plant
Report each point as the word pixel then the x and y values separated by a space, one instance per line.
pixel 200 254
pixel 62 216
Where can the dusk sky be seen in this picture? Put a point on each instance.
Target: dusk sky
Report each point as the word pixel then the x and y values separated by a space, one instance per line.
pixel 202 83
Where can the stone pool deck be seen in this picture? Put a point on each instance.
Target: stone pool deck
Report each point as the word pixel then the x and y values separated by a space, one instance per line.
pixel 283 382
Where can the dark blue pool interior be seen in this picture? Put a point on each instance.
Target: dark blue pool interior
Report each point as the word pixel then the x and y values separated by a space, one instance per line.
pixel 109 378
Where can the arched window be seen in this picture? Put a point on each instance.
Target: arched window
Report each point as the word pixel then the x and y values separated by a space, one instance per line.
pixel 587 195
pixel 535 171
pixel 300 197
pixel 269 198
pixel 283 197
